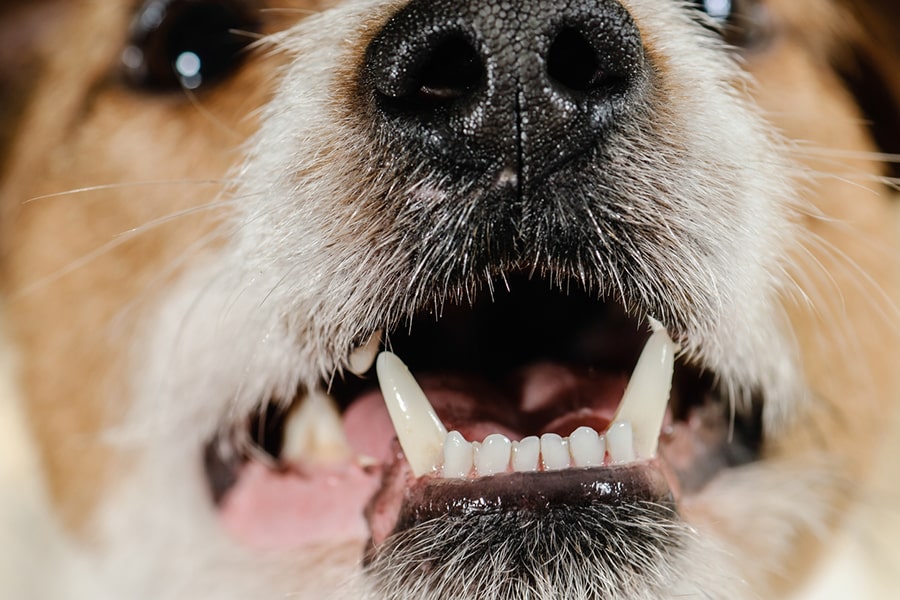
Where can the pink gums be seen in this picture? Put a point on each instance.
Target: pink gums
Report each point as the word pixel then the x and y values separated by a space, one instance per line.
pixel 313 504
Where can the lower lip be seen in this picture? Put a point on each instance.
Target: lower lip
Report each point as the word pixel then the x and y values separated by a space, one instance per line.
pixel 432 498
pixel 345 503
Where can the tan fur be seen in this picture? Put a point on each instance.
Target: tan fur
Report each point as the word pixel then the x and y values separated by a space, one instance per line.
pixel 84 139
pixel 848 340
pixel 81 268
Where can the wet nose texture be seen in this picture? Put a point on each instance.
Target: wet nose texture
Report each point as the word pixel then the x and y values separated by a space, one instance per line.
pixel 513 90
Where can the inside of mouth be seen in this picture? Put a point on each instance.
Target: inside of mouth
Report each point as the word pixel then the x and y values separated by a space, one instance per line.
pixel 523 358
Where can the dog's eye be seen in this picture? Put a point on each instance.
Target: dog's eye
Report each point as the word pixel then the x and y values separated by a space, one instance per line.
pixel 719 10
pixel 744 24
pixel 177 44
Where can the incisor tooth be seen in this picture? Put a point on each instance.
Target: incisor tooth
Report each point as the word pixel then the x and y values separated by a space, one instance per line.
pixel 458 456
pixel 526 453
pixel 554 452
pixel 313 432
pixel 420 431
pixel 586 447
pixel 620 443
pixel 647 394
pixel 362 358
pixel 493 456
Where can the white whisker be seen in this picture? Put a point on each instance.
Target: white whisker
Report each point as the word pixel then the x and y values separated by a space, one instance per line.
pixel 117 241
pixel 131 184
pixel 209 116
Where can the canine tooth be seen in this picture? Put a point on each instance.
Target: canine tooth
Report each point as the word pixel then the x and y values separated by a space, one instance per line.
pixel 458 456
pixel 620 442
pixel 363 357
pixel 587 447
pixel 647 394
pixel 313 432
pixel 418 427
pixel 526 453
pixel 493 456
pixel 554 452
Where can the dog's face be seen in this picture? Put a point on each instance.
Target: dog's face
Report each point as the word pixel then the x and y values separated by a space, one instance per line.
pixel 640 252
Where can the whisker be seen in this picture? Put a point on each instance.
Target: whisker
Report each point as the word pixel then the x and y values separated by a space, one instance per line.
pixel 117 241
pixel 288 10
pixel 172 267
pixel 251 35
pixel 209 116
pixel 878 298
pixel 130 184
pixel 816 150
pixel 858 179
pixel 829 307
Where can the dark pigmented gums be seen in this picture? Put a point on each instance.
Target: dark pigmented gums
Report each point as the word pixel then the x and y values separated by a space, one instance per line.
pixel 534 493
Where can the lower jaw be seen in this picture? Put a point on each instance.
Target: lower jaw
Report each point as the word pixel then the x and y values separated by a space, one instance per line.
pixel 517 496
pixel 601 529
pixel 616 527
pixel 373 496
pixel 372 506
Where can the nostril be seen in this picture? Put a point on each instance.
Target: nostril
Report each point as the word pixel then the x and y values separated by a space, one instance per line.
pixel 422 70
pixel 573 62
pixel 450 71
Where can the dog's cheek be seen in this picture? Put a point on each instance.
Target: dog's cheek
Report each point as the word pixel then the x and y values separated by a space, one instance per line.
pixel 841 311
pixel 83 264
pixel 844 265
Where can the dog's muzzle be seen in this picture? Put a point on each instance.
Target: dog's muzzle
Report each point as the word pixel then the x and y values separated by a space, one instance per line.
pixel 512 216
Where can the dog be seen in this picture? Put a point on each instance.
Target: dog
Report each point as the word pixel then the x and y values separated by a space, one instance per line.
pixel 435 299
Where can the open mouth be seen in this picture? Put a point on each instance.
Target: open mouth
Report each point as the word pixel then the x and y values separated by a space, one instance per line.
pixel 527 404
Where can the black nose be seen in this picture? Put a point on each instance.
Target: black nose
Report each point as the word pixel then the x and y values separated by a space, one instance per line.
pixel 517 87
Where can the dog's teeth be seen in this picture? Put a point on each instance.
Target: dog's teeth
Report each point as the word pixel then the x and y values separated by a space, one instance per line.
pixel 620 443
pixel 458 456
pixel 313 432
pixel 493 455
pixel 526 453
pixel 420 431
pixel 363 357
pixel 587 447
pixel 647 394
pixel 554 452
